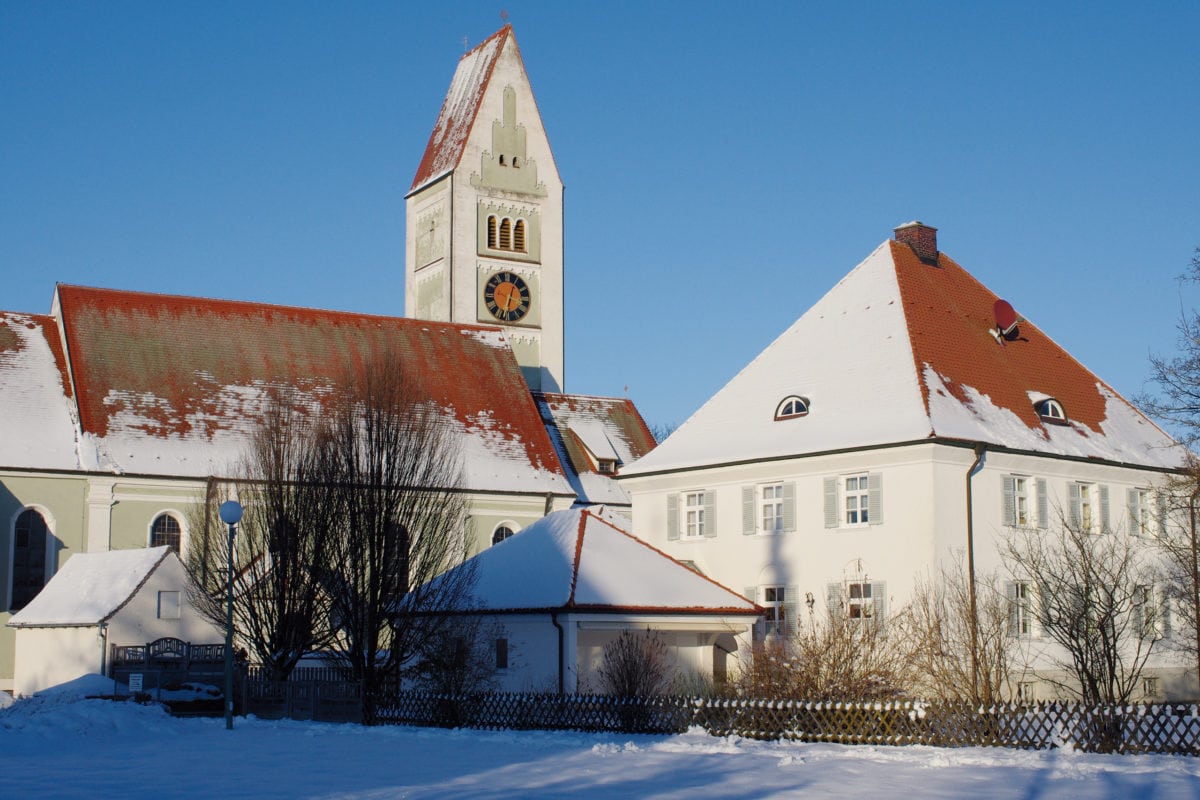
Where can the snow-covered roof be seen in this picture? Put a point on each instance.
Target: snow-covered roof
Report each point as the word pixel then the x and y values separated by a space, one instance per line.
pixel 588 429
pixel 584 560
pixel 902 349
pixel 169 385
pixel 37 429
pixel 90 588
pixel 461 106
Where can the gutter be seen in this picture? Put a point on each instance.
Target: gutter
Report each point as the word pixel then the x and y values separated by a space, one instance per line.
pixel 980 452
pixel 561 645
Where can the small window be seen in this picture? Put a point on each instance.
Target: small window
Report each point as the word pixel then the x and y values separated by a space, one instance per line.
pixel 168 605
pixel 505 234
pixel 519 234
pixel 502 654
pixel 502 533
pixel 606 466
pixel 1050 410
pixel 861 605
pixel 1026 692
pixel 502 163
pixel 516 162
pixel 694 521
pixel 491 232
pixel 1150 687
pixel 791 407
pixel 165 531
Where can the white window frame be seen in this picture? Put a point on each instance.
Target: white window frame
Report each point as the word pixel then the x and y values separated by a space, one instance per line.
pixel 694 521
pixel 770 508
pixel 868 487
pixel 1021 598
pixel 513 527
pixel 1026 692
pixel 861 495
pixel 1021 511
pixel 1141 512
pixel 1089 506
pixel 775 610
pixel 178 518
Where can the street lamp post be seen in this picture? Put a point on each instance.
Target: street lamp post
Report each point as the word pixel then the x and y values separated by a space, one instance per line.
pixel 231 514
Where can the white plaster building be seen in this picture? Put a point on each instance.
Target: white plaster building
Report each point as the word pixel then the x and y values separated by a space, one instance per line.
pixel 560 590
pixel 121 597
pixel 838 465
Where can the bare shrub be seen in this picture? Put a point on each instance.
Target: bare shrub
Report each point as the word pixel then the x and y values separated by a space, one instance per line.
pixel 637 665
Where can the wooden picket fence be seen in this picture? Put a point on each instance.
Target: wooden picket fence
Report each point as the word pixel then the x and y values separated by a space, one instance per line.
pixel 1135 728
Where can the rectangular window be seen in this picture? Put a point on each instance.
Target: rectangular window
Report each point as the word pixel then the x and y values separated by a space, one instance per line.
pixel 1021 501
pixel 1150 687
pixel 1141 520
pixel 856 498
pixel 861 604
pixel 1020 608
pixel 775 615
pixel 1086 511
pixel 502 654
pixel 168 605
pixel 1026 692
pixel 771 508
pixel 694 514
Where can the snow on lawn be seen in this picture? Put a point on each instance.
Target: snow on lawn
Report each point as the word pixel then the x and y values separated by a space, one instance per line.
pixel 58 745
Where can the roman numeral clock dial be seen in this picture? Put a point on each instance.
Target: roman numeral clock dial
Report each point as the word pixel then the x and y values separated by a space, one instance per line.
pixel 507 297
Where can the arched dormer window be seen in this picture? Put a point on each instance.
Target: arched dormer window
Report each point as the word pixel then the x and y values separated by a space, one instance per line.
pixel 501 533
pixel 165 531
pixel 28 575
pixel 791 407
pixel 1050 410
pixel 491 232
pixel 519 236
pixel 505 234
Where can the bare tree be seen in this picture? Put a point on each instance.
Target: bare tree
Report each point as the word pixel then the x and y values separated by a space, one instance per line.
pixel 1093 597
pixel 462 659
pixel 1177 529
pixel 280 607
pixel 1177 402
pixel 830 656
pixel 393 476
pixel 939 640
pixel 637 664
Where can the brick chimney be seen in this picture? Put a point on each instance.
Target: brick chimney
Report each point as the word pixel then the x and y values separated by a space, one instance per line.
pixel 921 238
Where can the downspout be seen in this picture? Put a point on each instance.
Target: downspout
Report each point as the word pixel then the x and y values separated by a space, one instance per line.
pixel 980 450
pixel 103 633
pixel 561 634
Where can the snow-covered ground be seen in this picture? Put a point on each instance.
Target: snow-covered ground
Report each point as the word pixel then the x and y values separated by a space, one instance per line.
pixel 58 745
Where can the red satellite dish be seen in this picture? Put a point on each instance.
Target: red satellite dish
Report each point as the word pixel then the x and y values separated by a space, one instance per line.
pixel 1006 320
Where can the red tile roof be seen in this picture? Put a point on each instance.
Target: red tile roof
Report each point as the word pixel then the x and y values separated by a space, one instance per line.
pixel 171 363
pixel 949 315
pixel 460 108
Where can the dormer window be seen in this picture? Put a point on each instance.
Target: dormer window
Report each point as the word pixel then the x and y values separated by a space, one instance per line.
pixel 1050 410
pixel 791 407
pixel 606 466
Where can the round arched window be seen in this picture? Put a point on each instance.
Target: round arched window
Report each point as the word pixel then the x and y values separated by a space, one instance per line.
pixel 165 531
pixel 1050 410
pixel 501 533
pixel 791 407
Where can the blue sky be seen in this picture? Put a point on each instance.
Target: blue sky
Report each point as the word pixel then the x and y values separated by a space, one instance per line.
pixel 725 164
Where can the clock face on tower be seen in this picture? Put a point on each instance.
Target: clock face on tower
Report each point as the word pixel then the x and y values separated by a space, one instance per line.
pixel 507 297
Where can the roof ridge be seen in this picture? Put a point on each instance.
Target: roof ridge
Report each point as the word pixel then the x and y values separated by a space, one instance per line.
pixel 306 310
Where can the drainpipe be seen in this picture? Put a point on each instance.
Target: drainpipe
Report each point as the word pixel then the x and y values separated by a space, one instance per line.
pixel 102 632
pixel 561 634
pixel 980 450
pixel 1195 575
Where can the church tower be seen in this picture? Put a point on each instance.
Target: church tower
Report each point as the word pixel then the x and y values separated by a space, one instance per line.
pixel 484 237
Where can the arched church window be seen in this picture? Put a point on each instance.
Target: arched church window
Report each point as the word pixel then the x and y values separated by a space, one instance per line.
pixel 519 235
pixel 165 531
pixel 506 234
pixel 30 535
pixel 501 533
pixel 491 232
